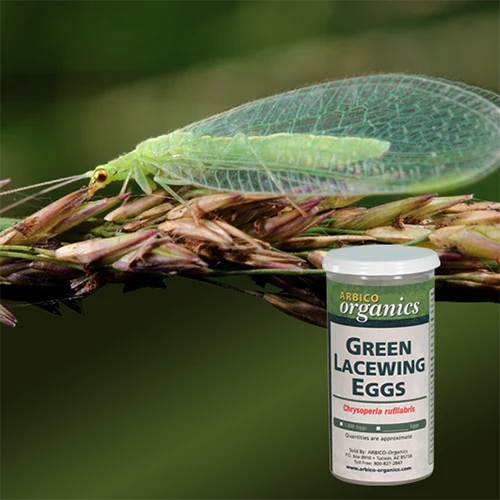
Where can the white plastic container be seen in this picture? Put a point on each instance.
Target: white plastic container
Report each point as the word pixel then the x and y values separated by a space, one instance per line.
pixel 381 363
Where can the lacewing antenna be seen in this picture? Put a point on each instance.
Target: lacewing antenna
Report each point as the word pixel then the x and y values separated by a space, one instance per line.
pixel 58 183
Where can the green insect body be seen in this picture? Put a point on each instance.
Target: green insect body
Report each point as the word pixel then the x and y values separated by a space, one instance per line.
pixel 367 135
pixel 286 150
pixel 160 155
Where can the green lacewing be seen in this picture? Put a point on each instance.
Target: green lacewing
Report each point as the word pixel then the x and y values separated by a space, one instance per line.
pixel 378 134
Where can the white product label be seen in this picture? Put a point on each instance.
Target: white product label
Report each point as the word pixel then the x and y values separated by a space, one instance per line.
pixel 381 381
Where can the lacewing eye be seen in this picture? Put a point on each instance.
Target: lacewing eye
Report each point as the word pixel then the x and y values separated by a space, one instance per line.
pixel 100 175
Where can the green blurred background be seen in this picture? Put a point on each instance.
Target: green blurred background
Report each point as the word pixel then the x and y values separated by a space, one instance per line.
pixel 193 392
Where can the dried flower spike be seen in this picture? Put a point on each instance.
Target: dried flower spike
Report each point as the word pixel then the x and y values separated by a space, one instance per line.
pixel 73 246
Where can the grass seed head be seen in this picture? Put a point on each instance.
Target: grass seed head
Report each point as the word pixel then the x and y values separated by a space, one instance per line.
pixel 70 248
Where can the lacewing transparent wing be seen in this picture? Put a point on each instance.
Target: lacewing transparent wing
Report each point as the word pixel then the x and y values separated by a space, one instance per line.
pixel 369 135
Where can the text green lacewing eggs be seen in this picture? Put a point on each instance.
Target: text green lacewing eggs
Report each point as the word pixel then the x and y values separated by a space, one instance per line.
pixel 379 134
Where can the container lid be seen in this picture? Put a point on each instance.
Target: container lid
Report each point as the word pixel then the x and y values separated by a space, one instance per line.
pixel 380 260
